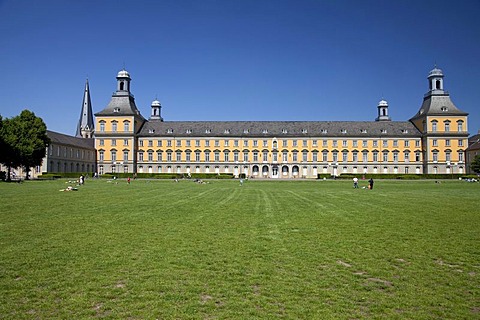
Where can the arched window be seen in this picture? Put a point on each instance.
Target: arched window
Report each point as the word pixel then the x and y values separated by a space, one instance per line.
pixel 438 85
pixel 122 84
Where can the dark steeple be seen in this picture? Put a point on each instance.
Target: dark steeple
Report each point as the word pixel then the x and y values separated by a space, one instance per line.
pixel 85 127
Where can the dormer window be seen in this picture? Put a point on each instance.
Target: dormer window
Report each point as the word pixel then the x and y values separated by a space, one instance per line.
pixel 444 109
pixel 169 130
pixel 151 131
pixel 265 131
pixel 344 130
pixel 246 131
pixel 384 130
pixel 227 131
pixel 284 131
pixel 304 131
pixel 363 130
pixel 116 110
pixel 324 131
pixel 208 131
pixel 404 131
pixel 188 131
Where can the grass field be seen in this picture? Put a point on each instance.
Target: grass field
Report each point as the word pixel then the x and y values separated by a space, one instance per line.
pixel 264 250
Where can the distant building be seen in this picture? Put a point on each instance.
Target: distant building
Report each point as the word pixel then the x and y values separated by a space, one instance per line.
pixel 432 141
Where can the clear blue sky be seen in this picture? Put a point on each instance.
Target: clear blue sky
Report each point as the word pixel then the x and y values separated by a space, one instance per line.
pixel 238 60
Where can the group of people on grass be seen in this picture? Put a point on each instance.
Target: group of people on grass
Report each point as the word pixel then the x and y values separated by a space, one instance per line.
pixel 369 186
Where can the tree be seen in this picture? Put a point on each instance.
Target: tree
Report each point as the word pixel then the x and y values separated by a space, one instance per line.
pixel 25 138
pixel 475 165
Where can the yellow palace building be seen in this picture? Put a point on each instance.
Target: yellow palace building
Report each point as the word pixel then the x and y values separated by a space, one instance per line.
pixel 432 141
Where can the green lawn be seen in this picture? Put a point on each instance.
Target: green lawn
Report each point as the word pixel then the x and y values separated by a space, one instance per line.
pixel 264 250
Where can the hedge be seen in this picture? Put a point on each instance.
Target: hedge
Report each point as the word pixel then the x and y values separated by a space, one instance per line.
pixel 397 176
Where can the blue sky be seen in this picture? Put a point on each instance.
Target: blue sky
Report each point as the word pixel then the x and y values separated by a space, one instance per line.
pixel 238 60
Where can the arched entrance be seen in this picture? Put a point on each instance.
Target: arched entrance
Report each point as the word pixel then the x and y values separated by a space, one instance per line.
pixel 285 172
pixel 274 171
pixel 255 171
pixel 264 171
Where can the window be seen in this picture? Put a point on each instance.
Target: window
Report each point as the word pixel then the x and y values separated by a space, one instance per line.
pixel 265 143
pixel 245 143
pixel 187 156
pixel 245 157
pixel 125 142
pixel 417 143
pixel 114 155
pixel 150 156
pixel 284 143
pixel 235 143
pixel 385 157
pixel 314 143
pixel 375 156
pixel 179 156
pixel 126 126
pixel 406 156
pixel 179 143
pixel 255 157
pixel 395 156
pixel 140 156
pixel 114 126
pixel 344 156
pixel 417 156
pixel 334 143
pixel 448 156
pixel 434 126
pixel 207 143
pixel 375 143
pixel 345 143
pixel 304 143
pixel 101 155
pixel 364 143
pixel 435 142
pixel 255 143
pixel 324 156
pixel 226 156
pixel 354 156
pixel 406 143
pixel 447 142
pixel 294 143
pixel 197 143
pixel 365 156
pixel 159 156
pixel 385 143
pixel 235 156
pixel 169 143
pixel 102 126
pixel 335 156
pixel 305 156
pixel 207 156
pixel 187 143
pixel 355 143
pixel 294 156
pixel 395 143
pixel 265 156
pixel 150 143
pixel 460 143
pixel 324 143
pixel 169 156
pixel 460 156
pixel 217 156
pixel 460 126
pixel 447 126
pixel 225 143
pixel 101 142
pixel 314 156
pixel 435 156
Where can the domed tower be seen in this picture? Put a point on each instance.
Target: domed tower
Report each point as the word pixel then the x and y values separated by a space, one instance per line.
pixel 383 111
pixel 156 111
pixel 435 79
pixel 123 81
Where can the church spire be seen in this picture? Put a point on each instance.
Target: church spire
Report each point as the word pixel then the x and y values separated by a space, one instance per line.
pixel 85 127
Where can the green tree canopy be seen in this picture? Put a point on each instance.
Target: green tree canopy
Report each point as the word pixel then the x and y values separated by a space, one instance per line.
pixel 475 165
pixel 24 141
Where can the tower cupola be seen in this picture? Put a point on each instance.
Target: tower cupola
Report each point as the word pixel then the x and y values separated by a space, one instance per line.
pixel 156 110
pixel 435 80
pixel 123 81
pixel 383 111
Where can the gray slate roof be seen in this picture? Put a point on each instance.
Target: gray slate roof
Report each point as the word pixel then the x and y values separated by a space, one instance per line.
pixel 120 105
pixel 279 129
pixel 433 104
pixel 64 139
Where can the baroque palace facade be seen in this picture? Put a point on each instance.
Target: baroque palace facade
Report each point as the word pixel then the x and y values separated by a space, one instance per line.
pixel 433 141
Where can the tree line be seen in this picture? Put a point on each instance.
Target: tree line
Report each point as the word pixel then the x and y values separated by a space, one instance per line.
pixel 23 142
